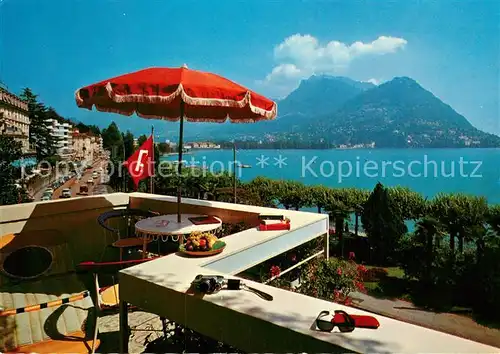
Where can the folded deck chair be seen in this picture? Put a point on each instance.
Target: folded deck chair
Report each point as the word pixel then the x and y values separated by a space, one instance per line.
pixel 50 315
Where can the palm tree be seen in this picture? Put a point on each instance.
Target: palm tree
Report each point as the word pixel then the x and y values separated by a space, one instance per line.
pixel 338 212
pixel 443 209
pixel 473 213
pixel 428 229
pixel 493 218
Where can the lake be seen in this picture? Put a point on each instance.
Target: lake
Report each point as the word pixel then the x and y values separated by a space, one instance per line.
pixel 428 171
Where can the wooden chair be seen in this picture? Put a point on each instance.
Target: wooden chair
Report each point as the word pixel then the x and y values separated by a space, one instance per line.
pixel 131 216
pixel 108 297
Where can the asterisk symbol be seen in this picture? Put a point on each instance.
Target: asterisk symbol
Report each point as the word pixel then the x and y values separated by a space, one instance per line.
pixel 280 161
pixel 262 161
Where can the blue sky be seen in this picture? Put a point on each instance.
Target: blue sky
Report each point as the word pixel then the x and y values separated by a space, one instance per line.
pixel 450 47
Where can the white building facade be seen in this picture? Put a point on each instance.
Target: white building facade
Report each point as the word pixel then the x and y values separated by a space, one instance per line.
pixel 15 116
pixel 62 134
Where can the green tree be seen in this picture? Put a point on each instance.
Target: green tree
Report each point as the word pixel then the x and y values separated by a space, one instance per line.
pixel 141 139
pixel 442 207
pixel 427 230
pixel 292 194
pixel 473 211
pixel 128 143
pixel 412 205
pixel 265 189
pixel 320 196
pixel 383 224
pixel 83 128
pixel 338 212
pixel 40 137
pixel 112 140
pixel 10 151
pixel 493 218
pixel 459 213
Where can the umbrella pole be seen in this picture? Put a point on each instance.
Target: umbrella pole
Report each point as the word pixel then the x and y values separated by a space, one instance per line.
pixel 234 172
pixel 179 165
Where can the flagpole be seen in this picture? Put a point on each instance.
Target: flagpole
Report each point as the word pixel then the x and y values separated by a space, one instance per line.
pixel 153 160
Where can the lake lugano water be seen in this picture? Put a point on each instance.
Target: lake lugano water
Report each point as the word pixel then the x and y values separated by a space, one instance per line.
pixel 428 171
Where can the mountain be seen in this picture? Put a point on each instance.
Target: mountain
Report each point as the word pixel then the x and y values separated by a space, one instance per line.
pixel 316 96
pixel 399 113
pixel 328 112
pixel 319 95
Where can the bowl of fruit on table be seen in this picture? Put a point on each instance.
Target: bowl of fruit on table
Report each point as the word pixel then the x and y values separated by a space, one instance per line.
pixel 202 244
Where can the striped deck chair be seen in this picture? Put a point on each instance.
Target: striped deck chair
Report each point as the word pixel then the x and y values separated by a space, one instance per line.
pixel 55 314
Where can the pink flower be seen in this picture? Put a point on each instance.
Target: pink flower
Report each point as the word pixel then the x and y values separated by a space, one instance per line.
pixel 339 271
pixel 362 269
pixel 348 301
pixel 336 295
pixel 360 286
pixel 275 271
pixel 352 256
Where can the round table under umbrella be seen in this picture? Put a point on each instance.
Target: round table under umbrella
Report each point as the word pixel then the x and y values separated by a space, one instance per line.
pixel 177 94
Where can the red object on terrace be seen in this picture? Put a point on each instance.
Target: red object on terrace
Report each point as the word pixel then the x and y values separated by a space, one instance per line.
pixel 159 92
pixel 360 321
pixel 285 225
pixel 204 220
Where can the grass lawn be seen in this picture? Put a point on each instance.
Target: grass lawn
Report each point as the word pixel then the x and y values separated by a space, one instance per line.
pixel 393 286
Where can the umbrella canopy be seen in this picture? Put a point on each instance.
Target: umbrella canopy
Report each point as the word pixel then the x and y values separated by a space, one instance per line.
pixel 176 94
pixel 172 93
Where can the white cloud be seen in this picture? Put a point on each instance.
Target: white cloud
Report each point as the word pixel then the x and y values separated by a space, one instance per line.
pixel 300 56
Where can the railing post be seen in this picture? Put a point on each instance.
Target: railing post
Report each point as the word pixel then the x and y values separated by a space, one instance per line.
pixel 124 330
pixel 327 239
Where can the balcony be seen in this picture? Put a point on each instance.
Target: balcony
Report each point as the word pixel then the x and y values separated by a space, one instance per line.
pixel 69 231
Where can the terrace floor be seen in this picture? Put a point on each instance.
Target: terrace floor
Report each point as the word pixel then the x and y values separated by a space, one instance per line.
pixel 145 326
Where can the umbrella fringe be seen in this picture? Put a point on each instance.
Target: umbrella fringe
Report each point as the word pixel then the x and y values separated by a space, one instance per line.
pixel 193 101
pixel 176 119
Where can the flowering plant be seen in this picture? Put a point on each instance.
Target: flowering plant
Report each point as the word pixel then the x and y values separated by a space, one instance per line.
pixel 332 279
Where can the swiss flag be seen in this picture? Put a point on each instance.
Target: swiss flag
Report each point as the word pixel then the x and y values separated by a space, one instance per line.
pixel 141 164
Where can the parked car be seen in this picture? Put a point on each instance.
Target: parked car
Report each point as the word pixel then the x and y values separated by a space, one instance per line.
pixel 95 175
pixel 90 181
pixel 46 197
pixel 84 189
pixel 66 193
pixel 49 190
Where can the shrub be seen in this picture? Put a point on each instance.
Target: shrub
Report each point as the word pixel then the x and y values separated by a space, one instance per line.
pixel 332 279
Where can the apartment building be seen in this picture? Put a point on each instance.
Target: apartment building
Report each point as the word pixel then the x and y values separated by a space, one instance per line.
pixel 16 122
pixel 62 134
pixel 86 146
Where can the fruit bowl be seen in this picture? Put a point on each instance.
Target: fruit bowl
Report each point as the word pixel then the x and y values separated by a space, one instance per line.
pixel 202 244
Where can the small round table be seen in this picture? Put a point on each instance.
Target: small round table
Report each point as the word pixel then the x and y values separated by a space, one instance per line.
pixel 164 226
